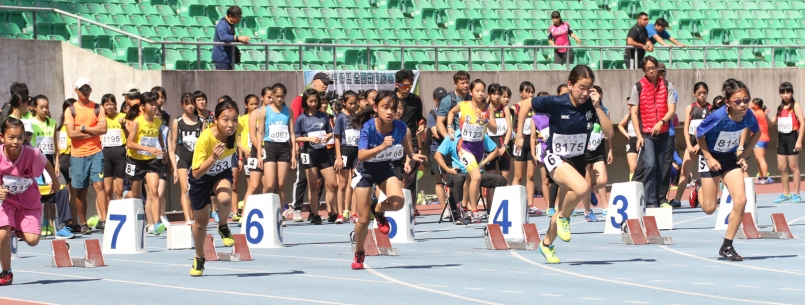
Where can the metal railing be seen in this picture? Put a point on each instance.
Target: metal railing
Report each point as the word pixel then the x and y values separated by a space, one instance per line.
pixel 302 46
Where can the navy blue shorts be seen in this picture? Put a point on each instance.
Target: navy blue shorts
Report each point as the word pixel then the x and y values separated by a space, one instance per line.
pixel 200 190
pixel 728 162
pixel 374 177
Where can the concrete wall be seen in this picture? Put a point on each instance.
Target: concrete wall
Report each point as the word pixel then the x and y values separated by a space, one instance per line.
pixel 38 64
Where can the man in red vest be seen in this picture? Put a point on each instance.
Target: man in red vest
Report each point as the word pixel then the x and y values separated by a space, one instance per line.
pixel 652 105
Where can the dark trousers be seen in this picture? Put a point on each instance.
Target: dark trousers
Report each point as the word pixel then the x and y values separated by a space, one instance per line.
pixel 223 66
pixel 651 166
pixel 409 179
pixel 666 168
pixel 300 188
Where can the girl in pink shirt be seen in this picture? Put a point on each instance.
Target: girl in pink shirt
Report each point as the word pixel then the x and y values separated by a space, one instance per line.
pixel 20 208
pixel 559 34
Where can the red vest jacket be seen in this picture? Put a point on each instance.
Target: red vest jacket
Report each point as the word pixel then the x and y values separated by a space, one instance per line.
pixel 653 103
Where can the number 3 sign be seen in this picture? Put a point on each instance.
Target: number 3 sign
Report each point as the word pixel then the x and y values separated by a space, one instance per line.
pixel 626 201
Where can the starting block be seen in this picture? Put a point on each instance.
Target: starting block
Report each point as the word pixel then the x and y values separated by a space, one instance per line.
pixel 531 241
pixel 494 238
pixel 632 232
pixel 180 237
pixel 780 225
pixel 93 256
pixel 211 255
pixel 510 212
pixel 725 206
pixel 748 230
pixel 653 233
pixel 626 201
pixel 376 244
pixel 241 247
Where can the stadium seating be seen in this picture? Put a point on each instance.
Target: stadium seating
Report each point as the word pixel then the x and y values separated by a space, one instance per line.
pixel 489 24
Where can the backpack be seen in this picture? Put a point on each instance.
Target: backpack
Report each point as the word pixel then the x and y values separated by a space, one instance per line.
pixel 640 87
pixel 97 110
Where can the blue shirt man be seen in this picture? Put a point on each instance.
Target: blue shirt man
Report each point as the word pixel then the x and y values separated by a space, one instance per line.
pixel 225 57
pixel 658 34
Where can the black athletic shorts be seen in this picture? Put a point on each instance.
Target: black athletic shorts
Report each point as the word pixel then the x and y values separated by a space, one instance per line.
pixel 728 161
pixel 435 169
pixel 579 163
pixel 631 147
pixel 277 152
pixel 786 143
pixel 114 162
pixel 597 155
pixel 375 177
pixel 525 154
pixel 503 163
pixel 201 190
pixel 136 169
pixel 254 158
pixel 314 158
pixel 183 163
pixel 693 140
pixel 64 167
pixel 350 153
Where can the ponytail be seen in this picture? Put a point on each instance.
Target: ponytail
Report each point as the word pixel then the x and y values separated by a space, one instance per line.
pixel 358 119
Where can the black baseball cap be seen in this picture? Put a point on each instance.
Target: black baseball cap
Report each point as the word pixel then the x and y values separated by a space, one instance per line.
pixel 439 93
pixel 323 77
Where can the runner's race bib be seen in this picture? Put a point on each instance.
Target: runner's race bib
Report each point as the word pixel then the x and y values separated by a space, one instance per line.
pixel 568 145
pixel 502 125
pixel 220 166
pixel 693 125
pixel 305 158
pixel 45 144
pixel 392 153
pixel 630 130
pixel 150 142
pixel 785 124
pixel 317 134
pixel 189 142
pixel 112 138
pixel 703 168
pixel 595 140
pixel 62 140
pixel 468 159
pixel 472 132
pixel 279 133
pixel 527 126
pixel 16 185
pixel 130 168
pixel 727 140
pixel 551 161
pixel 350 137
pixel 545 132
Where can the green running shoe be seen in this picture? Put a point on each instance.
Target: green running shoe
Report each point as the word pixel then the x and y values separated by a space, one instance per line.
pixel 563 228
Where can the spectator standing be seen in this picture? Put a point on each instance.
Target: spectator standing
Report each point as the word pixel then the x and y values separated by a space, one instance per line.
pixel 559 34
pixel 225 57
pixel 85 124
pixel 658 34
pixel 412 117
pixel 652 107
pixel 637 38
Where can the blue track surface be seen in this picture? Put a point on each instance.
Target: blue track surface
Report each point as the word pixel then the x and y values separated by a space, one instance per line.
pixel 448 265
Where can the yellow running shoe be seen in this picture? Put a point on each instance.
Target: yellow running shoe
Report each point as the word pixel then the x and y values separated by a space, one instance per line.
pixel 563 228
pixel 198 267
pixel 236 217
pixel 549 253
pixel 226 236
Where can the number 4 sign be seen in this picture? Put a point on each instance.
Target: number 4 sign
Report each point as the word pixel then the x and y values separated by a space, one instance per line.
pixel 263 224
pixel 125 227
pixel 509 211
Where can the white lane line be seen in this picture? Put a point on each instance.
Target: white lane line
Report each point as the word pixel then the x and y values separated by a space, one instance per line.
pixel 730 263
pixel 517 255
pixel 312 234
pixel 792 289
pixel 391 279
pixel 591 299
pixel 692 219
pixel 550 295
pixel 436 286
pixel 469 288
pixel 662 281
pixel 511 291
pixel 303 257
pixel 487 270
pixel 184 288
pixel 745 286
pixel 792 222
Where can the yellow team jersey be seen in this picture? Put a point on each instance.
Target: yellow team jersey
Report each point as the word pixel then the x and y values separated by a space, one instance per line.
pixel 64 141
pixel 243 131
pixel 473 122
pixel 204 146
pixel 148 136
pixel 114 136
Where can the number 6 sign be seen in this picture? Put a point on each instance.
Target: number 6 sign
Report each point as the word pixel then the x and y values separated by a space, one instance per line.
pixel 263 224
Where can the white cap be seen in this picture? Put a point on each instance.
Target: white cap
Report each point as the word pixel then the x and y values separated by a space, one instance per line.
pixel 130 86
pixel 81 82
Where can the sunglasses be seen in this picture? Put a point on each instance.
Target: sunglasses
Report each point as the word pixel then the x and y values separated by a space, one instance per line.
pixel 744 101
pixel 85 89
pixel 403 86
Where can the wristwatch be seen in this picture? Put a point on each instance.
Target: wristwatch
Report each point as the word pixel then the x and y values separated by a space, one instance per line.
pixel 83 128
pixel 740 148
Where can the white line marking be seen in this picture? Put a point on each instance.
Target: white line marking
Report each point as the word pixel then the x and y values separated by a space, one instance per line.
pixel 712 266
pixel 302 257
pixel 517 255
pixel 487 270
pixel 591 299
pixel 517 271
pixel 792 289
pixel 729 263
pixel 550 295
pixel 185 288
pixel 692 219
pixel 745 286
pixel 662 281
pixel 550 274
pixel 437 286
pixel 27 301
pixel 468 288
pixel 391 279
pixel 313 234
pixel 702 283
pixel 511 291
pixel 636 302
